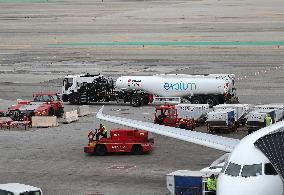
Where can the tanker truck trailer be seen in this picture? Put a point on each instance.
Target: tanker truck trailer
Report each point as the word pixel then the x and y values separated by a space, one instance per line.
pixel 198 89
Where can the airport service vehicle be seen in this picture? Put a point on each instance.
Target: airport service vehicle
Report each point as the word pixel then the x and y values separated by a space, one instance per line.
pixel 43 104
pixel 194 182
pixel 91 88
pixel 240 111
pixel 198 112
pixel 168 115
pixel 19 189
pixel 210 89
pixel 221 121
pixel 252 165
pixel 121 140
pixel 188 182
pixel 3 113
pixel 279 109
pixel 256 118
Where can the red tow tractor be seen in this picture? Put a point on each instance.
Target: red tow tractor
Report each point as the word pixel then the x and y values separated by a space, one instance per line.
pixel 44 104
pixel 134 141
pixel 168 115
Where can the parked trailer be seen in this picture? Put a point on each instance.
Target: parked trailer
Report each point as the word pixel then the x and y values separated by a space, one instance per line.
pixel 89 88
pixel 256 119
pixel 198 112
pixel 210 89
pixel 278 107
pixel 221 120
pixel 240 111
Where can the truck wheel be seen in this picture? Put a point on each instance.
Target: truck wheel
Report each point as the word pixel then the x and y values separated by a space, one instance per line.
pixel 65 98
pixel 100 150
pixel 73 100
pixel 211 101
pixel 146 101
pixel 196 100
pixel 136 101
pixel 137 150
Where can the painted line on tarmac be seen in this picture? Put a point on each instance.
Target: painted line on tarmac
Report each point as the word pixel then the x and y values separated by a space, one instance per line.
pixel 173 43
pixel 24 1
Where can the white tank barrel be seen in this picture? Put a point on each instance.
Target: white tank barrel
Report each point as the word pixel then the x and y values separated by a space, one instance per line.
pixel 174 85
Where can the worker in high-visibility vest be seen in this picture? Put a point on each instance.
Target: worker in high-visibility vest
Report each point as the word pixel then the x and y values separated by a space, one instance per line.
pixel 211 185
pixel 102 132
pixel 268 120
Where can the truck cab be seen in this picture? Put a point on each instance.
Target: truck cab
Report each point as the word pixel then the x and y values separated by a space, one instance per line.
pixel 168 115
pixel 19 189
pixel 120 140
pixel 43 104
pixel 73 83
pixel 51 104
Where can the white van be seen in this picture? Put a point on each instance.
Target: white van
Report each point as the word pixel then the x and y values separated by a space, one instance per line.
pixel 19 189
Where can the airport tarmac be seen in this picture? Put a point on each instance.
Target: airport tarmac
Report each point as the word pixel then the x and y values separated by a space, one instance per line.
pixel 43 40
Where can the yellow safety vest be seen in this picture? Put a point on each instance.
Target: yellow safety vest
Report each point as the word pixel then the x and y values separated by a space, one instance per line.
pixel 268 120
pixel 105 131
pixel 211 184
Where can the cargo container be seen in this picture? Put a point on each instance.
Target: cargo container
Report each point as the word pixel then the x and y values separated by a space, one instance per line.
pixel 221 121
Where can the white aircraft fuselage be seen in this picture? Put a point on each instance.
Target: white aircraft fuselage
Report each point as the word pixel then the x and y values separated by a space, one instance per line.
pixel 248 158
pixel 247 170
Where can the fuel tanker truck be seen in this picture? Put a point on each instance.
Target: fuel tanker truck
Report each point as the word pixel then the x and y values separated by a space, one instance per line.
pixel 209 89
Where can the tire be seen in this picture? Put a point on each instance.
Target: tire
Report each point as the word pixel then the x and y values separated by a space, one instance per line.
pixel 61 112
pixel 73 100
pixel 209 129
pixel 183 126
pixel 136 101
pixel 196 100
pixel 137 150
pixel 51 112
pixel 100 150
pixel 145 101
pixel 212 101
pixel 160 120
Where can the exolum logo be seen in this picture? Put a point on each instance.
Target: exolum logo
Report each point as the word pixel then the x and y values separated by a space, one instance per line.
pixel 181 86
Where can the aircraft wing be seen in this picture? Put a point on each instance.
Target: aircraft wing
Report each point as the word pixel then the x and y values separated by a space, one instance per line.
pixel 204 139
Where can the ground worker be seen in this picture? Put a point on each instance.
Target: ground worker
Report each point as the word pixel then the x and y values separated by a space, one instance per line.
pixel 211 185
pixel 268 120
pixel 91 135
pixel 102 132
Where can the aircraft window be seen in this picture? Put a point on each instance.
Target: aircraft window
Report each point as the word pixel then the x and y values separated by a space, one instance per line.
pixel 269 169
pixel 224 167
pixel 233 169
pixel 252 170
pixel 70 81
pixel 55 98
pixel 38 99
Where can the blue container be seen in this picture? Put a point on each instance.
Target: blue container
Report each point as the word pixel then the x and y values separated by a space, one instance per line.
pixel 231 116
pixel 188 185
